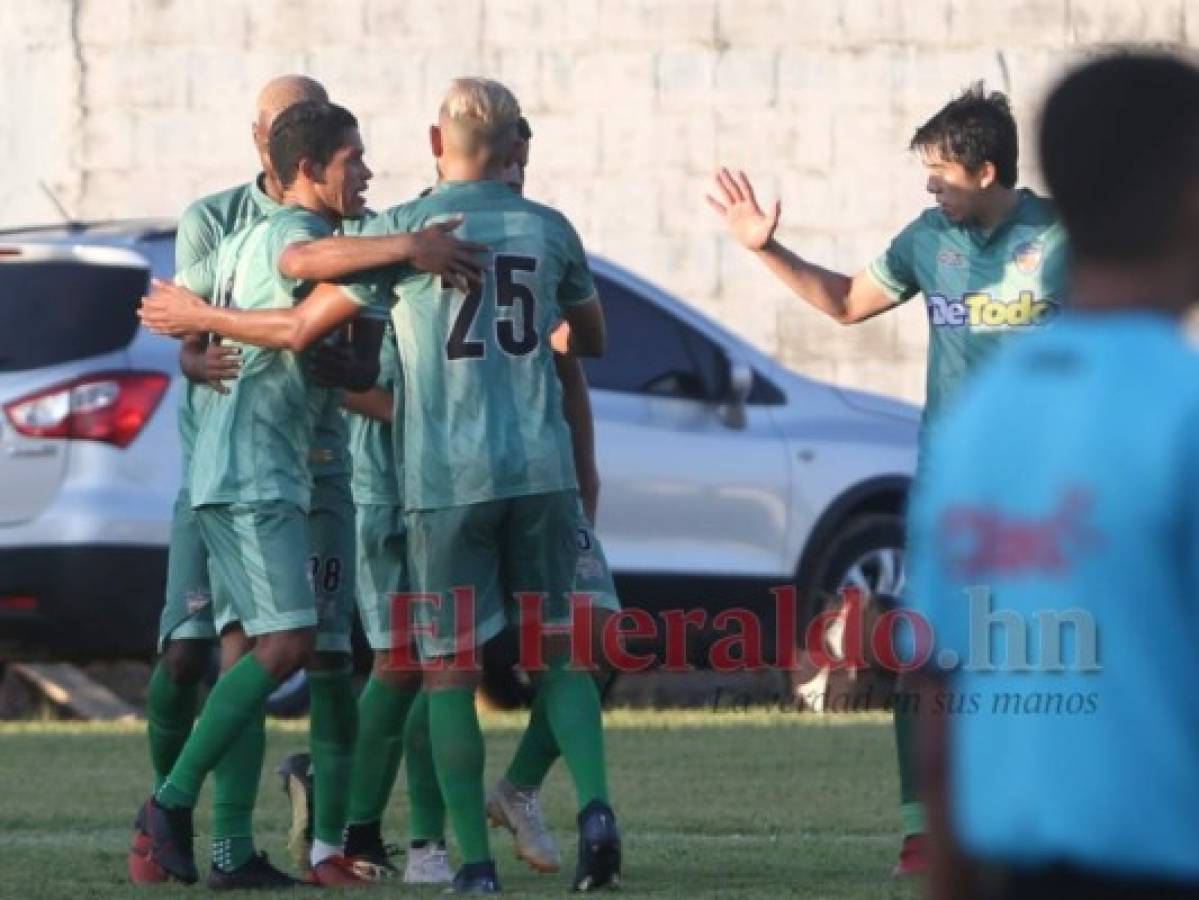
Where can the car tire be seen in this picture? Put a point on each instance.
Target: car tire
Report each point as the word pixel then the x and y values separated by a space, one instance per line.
pixel 866 552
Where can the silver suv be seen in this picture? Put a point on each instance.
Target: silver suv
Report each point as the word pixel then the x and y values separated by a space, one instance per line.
pixel 724 473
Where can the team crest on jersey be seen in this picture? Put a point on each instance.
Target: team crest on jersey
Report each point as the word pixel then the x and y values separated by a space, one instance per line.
pixel 1028 256
pixel 951 259
pixel 979 311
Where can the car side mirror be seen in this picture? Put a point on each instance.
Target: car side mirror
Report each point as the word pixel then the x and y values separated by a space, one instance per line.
pixel 739 386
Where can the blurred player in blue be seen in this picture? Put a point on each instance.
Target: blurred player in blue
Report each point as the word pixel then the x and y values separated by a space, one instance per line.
pixel 1055 548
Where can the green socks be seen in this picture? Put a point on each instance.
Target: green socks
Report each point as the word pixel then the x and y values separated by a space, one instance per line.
pixel 170 711
pixel 426 818
pixel 382 712
pixel 911 810
pixel 234 793
pixel 537 751
pixel 458 756
pixel 234 703
pixel 572 706
pixel 334 721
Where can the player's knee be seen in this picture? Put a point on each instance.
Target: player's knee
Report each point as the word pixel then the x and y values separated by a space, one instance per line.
pixel 284 653
pixel 397 677
pixel 187 661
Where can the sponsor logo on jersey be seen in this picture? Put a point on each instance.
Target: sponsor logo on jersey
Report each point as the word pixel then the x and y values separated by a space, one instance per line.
pixel 952 259
pixel 982 541
pixel 1028 256
pixel 980 311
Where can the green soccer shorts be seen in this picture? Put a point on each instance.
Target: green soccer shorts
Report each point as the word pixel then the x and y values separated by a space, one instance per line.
pixel 259 554
pixel 333 562
pixel 187 606
pixel 484 553
pixel 382 568
pixel 592 574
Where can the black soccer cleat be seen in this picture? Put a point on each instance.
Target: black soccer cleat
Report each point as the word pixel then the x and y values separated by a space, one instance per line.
pixel 364 847
pixel 256 874
pixel 171 837
pixel 599 848
pixel 476 878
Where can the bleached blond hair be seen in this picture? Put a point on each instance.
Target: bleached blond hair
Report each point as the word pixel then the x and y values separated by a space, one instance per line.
pixel 482 114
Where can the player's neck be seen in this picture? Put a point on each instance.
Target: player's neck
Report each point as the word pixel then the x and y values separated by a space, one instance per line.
pixel 469 170
pixel 303 196
pixel 271 186
pixel 997 208
pixel 1160 287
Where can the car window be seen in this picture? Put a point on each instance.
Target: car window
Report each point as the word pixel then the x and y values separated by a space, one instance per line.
pixel 651 352
pixel 159 250
pixel 58 311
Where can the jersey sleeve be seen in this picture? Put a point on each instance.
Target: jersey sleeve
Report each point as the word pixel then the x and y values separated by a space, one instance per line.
pixel 196 237
pixel 295 226
pixel 200 276
pixel 577 286
pixel 895 268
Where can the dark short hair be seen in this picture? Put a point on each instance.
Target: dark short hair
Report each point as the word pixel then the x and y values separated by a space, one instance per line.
pixel 973 129
pixel 1119 144
pixel 523 129
pixel 312 130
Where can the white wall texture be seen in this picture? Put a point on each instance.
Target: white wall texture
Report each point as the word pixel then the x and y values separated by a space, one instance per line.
pixel 134 107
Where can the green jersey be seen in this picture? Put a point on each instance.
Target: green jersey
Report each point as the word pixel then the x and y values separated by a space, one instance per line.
pixel 202 227
pixel 377 465
pixel 253 444
pixel 482 404
pixel 980 287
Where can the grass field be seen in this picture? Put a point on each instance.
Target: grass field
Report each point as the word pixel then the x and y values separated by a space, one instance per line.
pixel 733 805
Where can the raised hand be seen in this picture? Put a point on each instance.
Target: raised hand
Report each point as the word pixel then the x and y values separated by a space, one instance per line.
pixel 736 204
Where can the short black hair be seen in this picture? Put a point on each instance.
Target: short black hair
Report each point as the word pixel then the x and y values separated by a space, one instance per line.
pixel 311 129
pixel 1119 144
pixel 973 129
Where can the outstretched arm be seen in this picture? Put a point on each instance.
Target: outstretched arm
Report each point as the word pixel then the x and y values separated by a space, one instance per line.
pixel 845 299
pixel 170 309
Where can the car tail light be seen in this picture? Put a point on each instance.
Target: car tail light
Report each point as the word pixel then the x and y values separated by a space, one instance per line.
pixel 18 603
pixel 105 406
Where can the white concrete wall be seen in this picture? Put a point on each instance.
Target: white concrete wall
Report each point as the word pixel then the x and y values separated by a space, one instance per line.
pixel 134 107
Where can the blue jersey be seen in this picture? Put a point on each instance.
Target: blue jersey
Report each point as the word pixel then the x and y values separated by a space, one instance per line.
pixel 1054 551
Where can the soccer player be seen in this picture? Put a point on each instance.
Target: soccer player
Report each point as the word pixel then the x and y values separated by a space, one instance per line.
pixel 1064 504
pixel 512 490
pixel 990 261
pixel 186 628
pixel 251 481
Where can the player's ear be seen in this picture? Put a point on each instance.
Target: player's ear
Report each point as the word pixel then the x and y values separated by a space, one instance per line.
pixel 987 175
pixel 311 170
pixel 435 141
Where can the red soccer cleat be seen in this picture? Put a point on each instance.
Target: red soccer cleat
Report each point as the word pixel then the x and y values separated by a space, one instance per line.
pixel 913 857
pixel 142 868
pixel 337 871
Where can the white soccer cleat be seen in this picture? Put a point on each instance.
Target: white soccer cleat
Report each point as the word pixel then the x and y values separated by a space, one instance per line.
pixel 519 810
pixel 429 864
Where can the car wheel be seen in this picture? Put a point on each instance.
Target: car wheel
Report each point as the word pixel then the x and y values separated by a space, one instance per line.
pixel 867 554
pixel 290 699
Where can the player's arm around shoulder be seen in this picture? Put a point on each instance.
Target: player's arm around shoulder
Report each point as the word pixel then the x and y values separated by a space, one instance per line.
pixel 389 239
